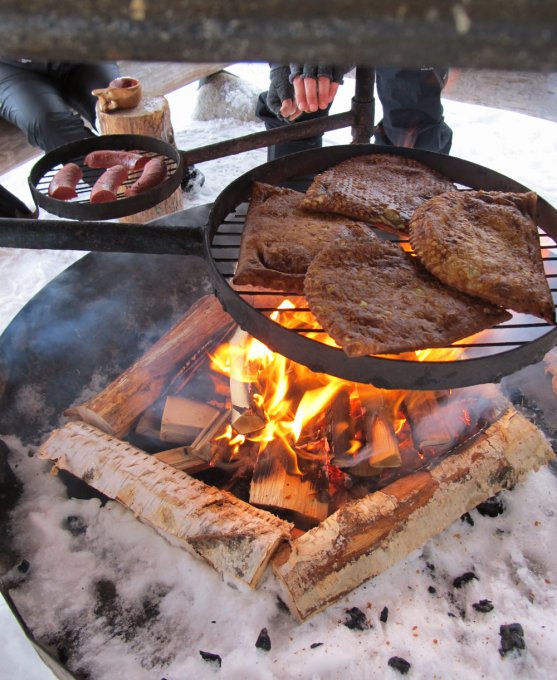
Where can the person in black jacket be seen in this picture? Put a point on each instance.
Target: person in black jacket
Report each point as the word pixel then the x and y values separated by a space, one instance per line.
pixel 411 101
pixel 51 102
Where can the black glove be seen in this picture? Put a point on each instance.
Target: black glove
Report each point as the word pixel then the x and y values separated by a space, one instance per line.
pixel 280 88
pixel 335 73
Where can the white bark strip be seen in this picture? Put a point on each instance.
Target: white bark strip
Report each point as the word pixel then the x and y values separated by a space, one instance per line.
pixel 367 536
pixel 234 537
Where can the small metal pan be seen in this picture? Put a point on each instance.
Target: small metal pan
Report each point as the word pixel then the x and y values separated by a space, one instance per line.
pixel 81 208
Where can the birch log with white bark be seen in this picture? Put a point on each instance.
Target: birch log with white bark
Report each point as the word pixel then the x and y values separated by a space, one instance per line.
pixel 234 537
pixel 365 537
pixel 117 407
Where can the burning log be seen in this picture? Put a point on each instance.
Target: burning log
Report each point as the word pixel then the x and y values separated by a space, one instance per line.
pixel 367 536
pixel 277 482
pixel 430 432
pixel 234 537
pixel 381 449
pixel 243 417
pixel 117 407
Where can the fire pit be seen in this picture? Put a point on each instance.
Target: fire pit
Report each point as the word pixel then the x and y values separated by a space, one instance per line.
pixel 146 285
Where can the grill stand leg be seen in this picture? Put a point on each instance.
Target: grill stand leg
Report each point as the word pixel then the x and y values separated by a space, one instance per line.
pixel 363 105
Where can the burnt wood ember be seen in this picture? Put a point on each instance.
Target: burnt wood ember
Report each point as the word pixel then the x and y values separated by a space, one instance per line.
pixel 75 525
pixel 384 615
pixel 211 658
pixel 512 638
pixel 356 619
pixel 483 606
pixel 465 578
pixel 23 566
pixel 263 641
pixel 492 507
pixel 399 664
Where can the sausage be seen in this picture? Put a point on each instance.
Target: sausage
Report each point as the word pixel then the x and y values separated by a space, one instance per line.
pixel 153 174
pixel 106 187
pixel 63 184
pixel 106 158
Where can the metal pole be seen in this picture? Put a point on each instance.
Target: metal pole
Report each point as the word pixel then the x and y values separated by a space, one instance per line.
pixel 363 105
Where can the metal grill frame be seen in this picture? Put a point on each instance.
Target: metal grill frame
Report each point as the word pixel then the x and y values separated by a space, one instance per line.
pixel 380 371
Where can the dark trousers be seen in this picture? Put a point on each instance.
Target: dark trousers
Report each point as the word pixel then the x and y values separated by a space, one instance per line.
pixel 412 113
pixel 48 102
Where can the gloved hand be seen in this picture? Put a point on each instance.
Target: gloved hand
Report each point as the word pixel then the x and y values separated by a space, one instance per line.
pixel 334 73
pixel 299 88
pixel 280 89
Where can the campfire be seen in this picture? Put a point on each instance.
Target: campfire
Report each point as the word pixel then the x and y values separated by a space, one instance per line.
pixel 247 458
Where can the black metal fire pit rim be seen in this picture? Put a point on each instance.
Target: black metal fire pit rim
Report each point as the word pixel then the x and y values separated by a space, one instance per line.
pixel 382 372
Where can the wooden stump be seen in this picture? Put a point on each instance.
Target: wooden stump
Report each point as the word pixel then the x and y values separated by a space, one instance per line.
pixel 151 117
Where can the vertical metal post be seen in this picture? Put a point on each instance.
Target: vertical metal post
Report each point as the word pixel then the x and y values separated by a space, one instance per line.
pixel 363 105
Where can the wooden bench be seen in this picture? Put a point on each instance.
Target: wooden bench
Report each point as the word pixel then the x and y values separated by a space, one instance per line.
pixel 157 78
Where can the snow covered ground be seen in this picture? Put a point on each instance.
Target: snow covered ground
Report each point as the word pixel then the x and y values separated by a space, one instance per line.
pixel 430 623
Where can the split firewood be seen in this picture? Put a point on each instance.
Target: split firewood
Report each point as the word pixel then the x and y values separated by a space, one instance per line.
pixel 181 459
pixel 234 537
pixel 243 415
pixel 117 407
pixel 367 536
pixel 279 482
pixel 202 446
pixel 183 420
pixel 381 448
pixel 430 432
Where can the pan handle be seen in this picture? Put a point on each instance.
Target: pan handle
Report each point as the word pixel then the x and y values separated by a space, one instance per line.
pixel 152 238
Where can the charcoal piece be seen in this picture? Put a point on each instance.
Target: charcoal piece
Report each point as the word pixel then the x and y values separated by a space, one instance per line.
pixel 432 590
pixel 483 606
pixel 314 645
pixel 356 619
pixel 211 658
pixel 263 641
pixel 10 486
pixel 399 664
pixel 467 517
pixel 23 566
pixel 492 507
pixel 75 525
pixel 384 615
pixel 282 606
pixel 512 637
pixel 464 579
